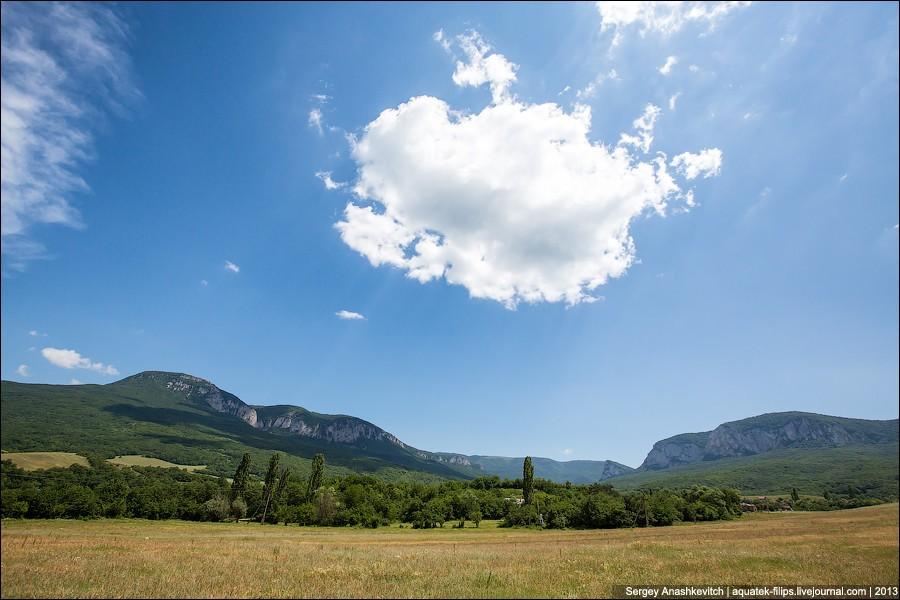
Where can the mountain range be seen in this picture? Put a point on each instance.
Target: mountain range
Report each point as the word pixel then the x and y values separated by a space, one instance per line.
pixel 188 420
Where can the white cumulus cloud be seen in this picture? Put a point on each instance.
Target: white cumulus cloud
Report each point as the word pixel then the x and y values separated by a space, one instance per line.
pixel 663 18
pixel 349 315
pixel 63 64
pixel 515 202
pixel 23 370
pixel 70 359
pixel 707 163
pixel 230 266
pixel 667 67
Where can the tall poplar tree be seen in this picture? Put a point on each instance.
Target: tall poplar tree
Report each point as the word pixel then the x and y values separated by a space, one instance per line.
pixel 239 482
pixel 315 476
pixel 527 480
pixel 269 487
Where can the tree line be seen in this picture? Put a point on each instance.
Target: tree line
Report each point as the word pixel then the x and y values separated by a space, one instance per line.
pixel 105 490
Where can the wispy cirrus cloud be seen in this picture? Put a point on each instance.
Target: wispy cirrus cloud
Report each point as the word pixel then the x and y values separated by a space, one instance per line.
pixel 63 65
pixel 230 266
pixel 315 120
pixel 71 359
pixel 23 371
pixel 664 18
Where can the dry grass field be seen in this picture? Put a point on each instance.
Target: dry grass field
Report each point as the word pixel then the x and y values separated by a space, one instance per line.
pixel 33 461
pixel 136 460
pixel 178 559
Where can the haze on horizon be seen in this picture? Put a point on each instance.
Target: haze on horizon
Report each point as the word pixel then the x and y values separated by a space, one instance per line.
pixel 563 230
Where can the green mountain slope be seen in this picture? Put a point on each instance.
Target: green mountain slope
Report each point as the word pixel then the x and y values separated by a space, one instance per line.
pixel 574 471
pixel 872 469
pixel 169 416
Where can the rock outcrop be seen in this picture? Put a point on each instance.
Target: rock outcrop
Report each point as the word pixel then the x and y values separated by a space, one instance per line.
pixel 773 431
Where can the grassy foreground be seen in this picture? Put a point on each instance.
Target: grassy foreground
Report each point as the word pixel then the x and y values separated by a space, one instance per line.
pixel 181 559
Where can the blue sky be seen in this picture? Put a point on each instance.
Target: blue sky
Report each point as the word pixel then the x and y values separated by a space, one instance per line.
pixel 543 285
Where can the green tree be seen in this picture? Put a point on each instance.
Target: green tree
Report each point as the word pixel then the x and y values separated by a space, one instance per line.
pixel 528 480
pixel 794 495
pixel 217 509
pixel 315 476
pixel 270 483
pixel 239 483
pixel 326 506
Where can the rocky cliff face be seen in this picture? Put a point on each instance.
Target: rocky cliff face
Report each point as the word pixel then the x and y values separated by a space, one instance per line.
pixel 342 429
pixel 197 389
pixel 614 469
pixel 346 430
pixel 765 433
pixel 446 458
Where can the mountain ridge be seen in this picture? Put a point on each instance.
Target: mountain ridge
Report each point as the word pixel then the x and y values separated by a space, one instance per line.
pixel 767 432
pixel 184 418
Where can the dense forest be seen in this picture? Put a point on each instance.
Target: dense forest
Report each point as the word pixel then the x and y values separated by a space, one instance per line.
pixel 105 490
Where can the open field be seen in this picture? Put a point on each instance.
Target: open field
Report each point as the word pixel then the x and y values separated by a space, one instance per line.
pixel 172 558
pixel 136 460
pixel 33 461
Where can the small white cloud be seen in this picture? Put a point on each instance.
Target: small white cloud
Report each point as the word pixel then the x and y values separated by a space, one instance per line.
pixel 349 315
pixel 36 333
pixel 330 184
pixel 694 69
pixel 204 282
pixel 564 90
pixel 321 98
pixel 670 62
pixel 441 39
pixel 789 39
pixel 32 348
pixel 567 452
pixel 707 163
pixel 644 126
pixel 843 178
pixel 673 99
pixel 74 381
pixel 23 370
pixel 70 359
pixel 230 266
pixel 315 120
pixel 483 66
